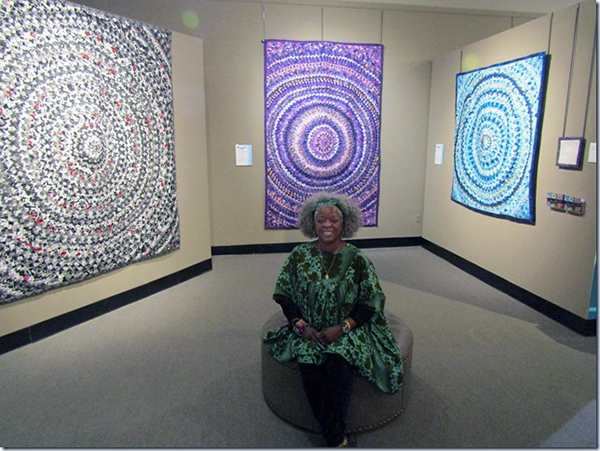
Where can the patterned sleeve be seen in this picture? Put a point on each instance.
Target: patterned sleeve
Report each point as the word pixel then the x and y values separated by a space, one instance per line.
pixel 370 292
pixel 284 287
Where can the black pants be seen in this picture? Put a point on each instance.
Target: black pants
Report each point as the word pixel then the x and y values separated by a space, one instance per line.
pixel 328 388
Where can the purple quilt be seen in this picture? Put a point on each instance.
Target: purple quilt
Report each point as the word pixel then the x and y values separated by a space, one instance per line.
pixel 322 126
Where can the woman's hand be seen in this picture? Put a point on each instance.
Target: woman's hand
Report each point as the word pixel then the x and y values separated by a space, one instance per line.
pixel 312 334
pixel 330 334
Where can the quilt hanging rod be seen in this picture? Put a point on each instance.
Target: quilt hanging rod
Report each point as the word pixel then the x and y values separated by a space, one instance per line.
pixel 264 23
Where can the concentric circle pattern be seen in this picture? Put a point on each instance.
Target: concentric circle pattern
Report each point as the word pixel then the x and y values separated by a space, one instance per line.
pixel 498 116
pixel 87 170
pixel 322 125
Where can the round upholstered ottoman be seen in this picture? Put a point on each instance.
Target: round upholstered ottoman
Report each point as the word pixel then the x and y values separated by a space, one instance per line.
pixel 369 409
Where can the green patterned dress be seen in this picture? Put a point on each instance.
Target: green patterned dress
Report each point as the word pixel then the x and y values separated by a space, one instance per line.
pixel 370 348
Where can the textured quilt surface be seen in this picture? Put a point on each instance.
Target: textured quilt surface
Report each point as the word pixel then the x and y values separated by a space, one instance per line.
pixel 87 169
pixel 322 125
pixel 498 120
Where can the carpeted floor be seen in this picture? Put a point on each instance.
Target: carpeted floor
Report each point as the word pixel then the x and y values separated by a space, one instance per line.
pixel 182 368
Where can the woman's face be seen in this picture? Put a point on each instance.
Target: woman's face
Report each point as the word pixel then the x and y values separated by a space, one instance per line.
pixel 329 224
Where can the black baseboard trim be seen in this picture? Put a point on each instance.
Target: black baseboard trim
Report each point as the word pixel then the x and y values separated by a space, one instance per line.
pixel 60 323
pixel 374 243
pixel 243 249
pixel 368 243
pixel 55 325
pixel 576 323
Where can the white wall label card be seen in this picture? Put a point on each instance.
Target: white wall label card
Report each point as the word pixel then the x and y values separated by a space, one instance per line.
pixel 439 154
pixel 243 154
pixel 592 153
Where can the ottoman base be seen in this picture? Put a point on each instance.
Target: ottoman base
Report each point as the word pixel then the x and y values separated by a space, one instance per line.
pixel 370 408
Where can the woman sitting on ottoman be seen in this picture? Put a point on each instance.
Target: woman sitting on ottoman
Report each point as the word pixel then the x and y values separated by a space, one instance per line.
pixel 331 296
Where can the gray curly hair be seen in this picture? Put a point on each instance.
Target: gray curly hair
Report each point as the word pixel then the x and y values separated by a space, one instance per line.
pixel 351 214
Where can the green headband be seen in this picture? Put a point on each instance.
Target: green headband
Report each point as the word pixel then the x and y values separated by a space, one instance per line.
pixel 329 201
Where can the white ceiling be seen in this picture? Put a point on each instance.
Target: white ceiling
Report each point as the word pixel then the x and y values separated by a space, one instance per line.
pixel 521 6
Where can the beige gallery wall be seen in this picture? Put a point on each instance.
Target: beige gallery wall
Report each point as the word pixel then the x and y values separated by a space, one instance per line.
pixel 218 96
pixel 554 258
pixel 232 32
pixel 235 103
pixel 192 198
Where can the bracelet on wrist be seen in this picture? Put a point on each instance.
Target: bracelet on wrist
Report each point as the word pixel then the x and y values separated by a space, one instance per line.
pixel 346 326
pixel 299 327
